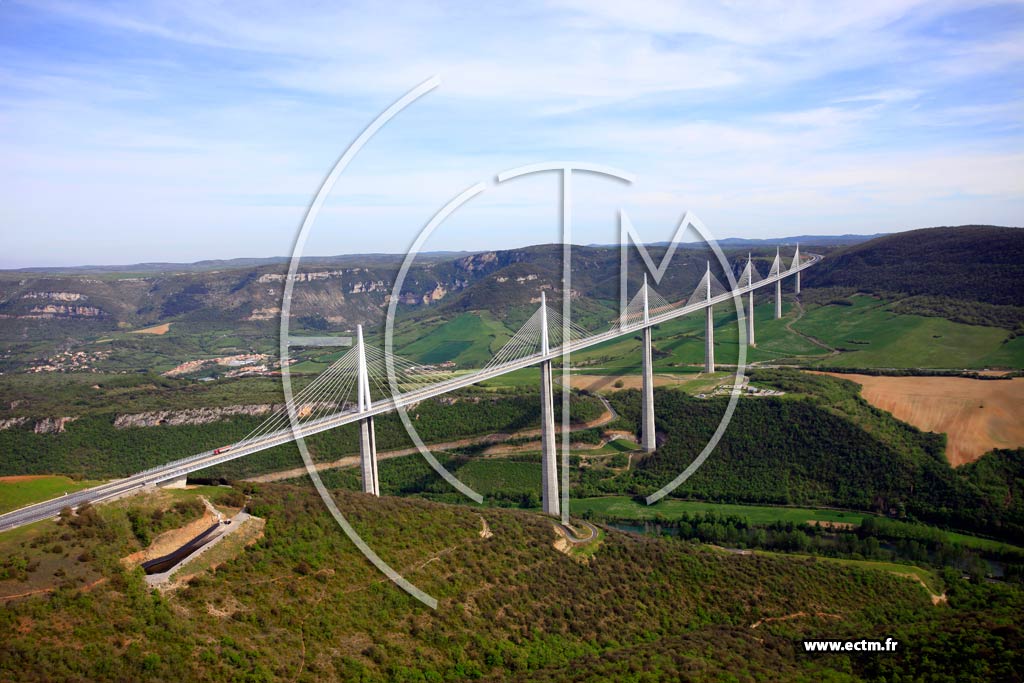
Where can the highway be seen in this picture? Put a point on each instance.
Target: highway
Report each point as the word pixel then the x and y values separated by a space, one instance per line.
pixel 178 468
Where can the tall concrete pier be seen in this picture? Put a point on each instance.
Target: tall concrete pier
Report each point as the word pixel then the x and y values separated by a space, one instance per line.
pixel 778 299
pixel 367 435
pixel 750 320
pixel 549 464
pixel 777 268
pixel 750 301
pixel 709 328
pixel 647 436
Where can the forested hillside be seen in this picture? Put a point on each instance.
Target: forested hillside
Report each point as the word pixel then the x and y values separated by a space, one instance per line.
pixel 822 446
pixel 92 447
pixel 971 263
pixel 302 604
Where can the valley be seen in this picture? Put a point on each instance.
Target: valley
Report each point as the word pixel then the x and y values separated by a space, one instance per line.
pixel 830 489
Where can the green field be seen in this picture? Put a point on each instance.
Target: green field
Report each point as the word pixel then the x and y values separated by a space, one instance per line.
pixel 680 343
pixel 470 340
pixel 16 494
pixel 871 335
pixel 613 447
pixel 527 377
pixel 867 333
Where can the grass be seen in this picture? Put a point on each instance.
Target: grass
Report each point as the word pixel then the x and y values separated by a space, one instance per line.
pixel 871 335
pixel 48 556
pixel 867 332
pixel 469 339
pixel 16 494
pixel 613 446
pixel 681 342
pixel 1010 354
pixel 588 550
pixel 527 377
pixel 977 542
pixel 11 538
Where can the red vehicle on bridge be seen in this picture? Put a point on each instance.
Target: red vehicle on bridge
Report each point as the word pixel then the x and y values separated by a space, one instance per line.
pixel 222 449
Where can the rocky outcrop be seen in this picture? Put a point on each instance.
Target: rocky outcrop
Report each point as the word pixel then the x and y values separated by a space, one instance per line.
pixel 55 296
pixel 269 313
pixel 301 277
pixel 411 299
pixel 367 287
pixel 13 422
pixel 435 294
pixel 478 262
pixel 190 416
pixel 520 280
pixel 237 360
pixel 52 425
pixel 62 311
pixel 47 425
pixel 200 416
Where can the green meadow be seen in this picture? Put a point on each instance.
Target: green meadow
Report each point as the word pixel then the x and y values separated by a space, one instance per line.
pixel 469 339
pixel 869 334
pixel 19 493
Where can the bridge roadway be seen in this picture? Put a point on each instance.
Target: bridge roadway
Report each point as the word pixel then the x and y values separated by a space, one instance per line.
pixel 179 468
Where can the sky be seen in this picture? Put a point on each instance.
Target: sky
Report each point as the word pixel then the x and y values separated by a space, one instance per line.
pixel 138 132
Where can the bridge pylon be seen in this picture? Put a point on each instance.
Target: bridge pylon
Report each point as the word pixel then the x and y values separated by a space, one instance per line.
pixel 777 270
pixel 367 434
pixel 709 328
pixel 647 435
pixel 750 302
pixel 549 463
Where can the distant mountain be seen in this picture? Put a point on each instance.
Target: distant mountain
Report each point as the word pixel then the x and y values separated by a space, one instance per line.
pixel 381 259
pixel 333 294
pixel 970 262
pixel 744 242
pixel 229 264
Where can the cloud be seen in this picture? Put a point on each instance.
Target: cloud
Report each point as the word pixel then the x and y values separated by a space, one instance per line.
pixel 216 122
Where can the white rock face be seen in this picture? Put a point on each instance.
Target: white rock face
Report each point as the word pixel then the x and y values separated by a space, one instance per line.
pixel 52 425
pixel 55 296
pixel 12 423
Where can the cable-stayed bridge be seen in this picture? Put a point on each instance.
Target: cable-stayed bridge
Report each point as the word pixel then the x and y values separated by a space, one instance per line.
pixel 343 394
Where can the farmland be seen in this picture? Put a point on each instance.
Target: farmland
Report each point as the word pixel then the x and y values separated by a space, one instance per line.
pixel 976 415
pixel 470 340
pixel 870 334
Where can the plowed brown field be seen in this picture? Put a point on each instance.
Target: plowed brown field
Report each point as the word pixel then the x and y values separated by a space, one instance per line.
pixel 976 415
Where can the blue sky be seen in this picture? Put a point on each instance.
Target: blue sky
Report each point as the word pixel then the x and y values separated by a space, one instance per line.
pixel 191 130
